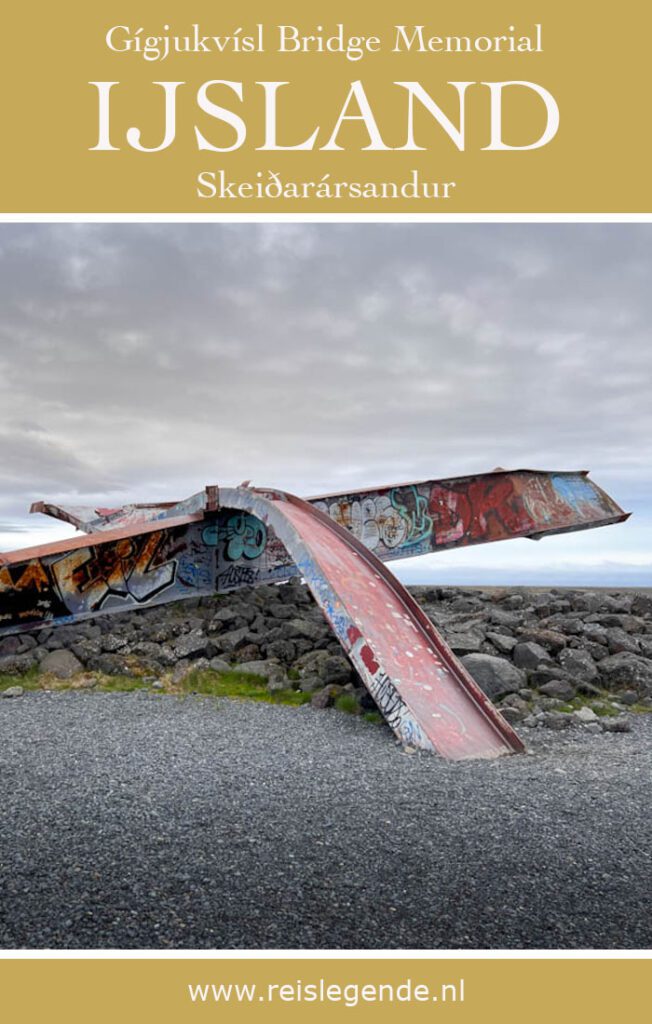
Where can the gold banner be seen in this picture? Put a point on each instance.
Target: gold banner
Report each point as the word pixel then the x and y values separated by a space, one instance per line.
pixel 351 107
pixel 460 990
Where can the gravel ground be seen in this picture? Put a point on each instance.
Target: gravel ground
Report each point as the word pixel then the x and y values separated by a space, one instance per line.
pixel 149 821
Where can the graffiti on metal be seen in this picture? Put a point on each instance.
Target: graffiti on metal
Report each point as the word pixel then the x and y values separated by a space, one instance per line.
pixel 147 560
pixel 418 518
pixel 422 690
pixel 131 571
pixel 218 540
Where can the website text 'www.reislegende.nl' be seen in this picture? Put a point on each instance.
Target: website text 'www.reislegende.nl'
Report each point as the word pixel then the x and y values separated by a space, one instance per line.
pixel 349 994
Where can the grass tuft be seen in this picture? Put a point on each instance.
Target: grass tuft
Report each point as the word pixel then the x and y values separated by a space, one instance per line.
pixel 240 686
pixel 374 717
pixel 347 703
pixel 29 681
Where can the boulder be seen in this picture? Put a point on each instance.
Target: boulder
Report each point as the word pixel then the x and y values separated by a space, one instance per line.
pixel 597 651
pixel 502 642
pixel 578 664
pixel 107 664
pixel 17 664
pixel 504 620
pixel 464 643
pixel 570 625
pixel 561 689
pixel 586 602
pixel 326 697
pixel 619 724
pixel 618 640
pixel 270 669
pixel 549 639
pixel 595 633
pixel 250 652
pixel 494 676
pixel 309 684
pixel 228 642
pixel 219 665
pixel 556 720
pixel 513 715
pixel 195 644
pixel 153 654
pixel 627 672
pixel 280 610
pixel 11 645
pixel 184 667
pixel 585 715
pixel 529 655
pixel 642 605
pixel 227 616
pixel 310 630
pixel 335 669
pixel 12 691
pixel 283 650
pixel 62 664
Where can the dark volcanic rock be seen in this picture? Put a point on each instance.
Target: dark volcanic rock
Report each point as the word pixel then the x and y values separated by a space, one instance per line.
pixel 502 642
pixel 642 605
pixel 626 671
pixel 561 689
pixel 578 664
pixel 529 655
pixel 62 664
pixel 16 664
pixel 494 675
pixel 548 645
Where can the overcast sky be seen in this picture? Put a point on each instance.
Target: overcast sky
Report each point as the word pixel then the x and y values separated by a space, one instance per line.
pixel 141 362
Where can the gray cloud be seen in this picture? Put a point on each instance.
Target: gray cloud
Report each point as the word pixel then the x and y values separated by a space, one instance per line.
pixel 142 361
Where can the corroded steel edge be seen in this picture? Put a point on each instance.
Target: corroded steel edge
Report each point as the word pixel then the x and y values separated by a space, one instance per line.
pixel 94 539
pixel 417 613
pixel 258 503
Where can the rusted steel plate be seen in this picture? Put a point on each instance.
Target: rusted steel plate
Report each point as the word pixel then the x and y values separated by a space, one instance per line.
pixel 94 520
pixel 401 521
pixel 115 571
pixel 418 518
pixel 423 691
pixel 143 555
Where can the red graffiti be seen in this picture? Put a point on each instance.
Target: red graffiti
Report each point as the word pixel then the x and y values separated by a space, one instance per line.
pixel 480 510
pixel 353 634
pixel 369 659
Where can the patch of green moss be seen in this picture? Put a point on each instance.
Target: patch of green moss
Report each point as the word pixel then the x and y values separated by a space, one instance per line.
pixel 347 703
pixel 601 707
pixel 604 710
pixel 294 674
pixel 28 681
pixel 295 698
pixel 118 684
pixel 374 717
pixel 225 684
pixel 239 685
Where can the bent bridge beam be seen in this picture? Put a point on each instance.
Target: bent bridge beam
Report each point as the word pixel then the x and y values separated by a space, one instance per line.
pixel 221 539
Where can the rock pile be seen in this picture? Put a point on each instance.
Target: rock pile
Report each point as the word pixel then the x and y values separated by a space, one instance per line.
pixel 548 657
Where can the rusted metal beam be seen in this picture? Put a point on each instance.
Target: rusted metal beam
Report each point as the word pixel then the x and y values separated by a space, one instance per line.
pixel 405 520
pixel 222 539
pixel 424 692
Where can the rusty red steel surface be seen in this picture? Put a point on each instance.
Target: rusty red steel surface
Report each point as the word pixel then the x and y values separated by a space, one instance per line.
pixel 401 521
pixel 423 691
pixel 221 539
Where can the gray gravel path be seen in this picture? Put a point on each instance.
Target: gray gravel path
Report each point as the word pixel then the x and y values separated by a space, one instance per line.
pixel 149 821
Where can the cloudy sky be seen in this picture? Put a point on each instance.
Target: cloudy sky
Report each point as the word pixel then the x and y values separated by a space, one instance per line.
pixel 140 362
